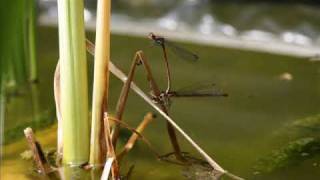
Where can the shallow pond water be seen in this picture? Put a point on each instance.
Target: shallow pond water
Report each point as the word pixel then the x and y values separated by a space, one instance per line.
pixel 265 93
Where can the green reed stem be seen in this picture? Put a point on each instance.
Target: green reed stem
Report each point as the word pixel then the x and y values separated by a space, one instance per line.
pixel 73 82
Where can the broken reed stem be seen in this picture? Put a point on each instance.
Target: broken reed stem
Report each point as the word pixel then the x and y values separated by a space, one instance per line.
pixel 119 74
pixel 38 155
pixel 100 128
pixel 115 170
pixel 132 140
pixel 107 168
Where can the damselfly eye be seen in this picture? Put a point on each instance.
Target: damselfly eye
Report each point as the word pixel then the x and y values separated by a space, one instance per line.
pixel 159 41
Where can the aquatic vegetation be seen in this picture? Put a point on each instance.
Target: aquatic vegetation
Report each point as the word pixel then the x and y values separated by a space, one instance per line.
pixel 193 167
pixel 18 53
pixel 304 127
pixel 291 154
pixel 307 125
pixel 304 144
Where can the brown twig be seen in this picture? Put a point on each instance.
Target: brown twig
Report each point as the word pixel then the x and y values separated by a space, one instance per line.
pixel 122 101
pixel 144 139
pixel 38 155
pixel 132 140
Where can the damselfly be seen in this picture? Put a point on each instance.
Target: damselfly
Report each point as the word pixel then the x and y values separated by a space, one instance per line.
pixel 177 50
pixel 202 90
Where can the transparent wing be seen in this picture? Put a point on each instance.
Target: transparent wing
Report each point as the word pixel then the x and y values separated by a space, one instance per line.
pixel 198 90
pixel 181 52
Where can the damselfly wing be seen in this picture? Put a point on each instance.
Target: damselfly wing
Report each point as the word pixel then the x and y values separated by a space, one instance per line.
pixel 176 49
pixel 198 90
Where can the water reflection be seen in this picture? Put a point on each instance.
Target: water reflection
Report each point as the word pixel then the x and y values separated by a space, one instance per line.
pixel 296 38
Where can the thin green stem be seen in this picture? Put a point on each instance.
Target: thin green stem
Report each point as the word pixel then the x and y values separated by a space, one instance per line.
pixel 31 39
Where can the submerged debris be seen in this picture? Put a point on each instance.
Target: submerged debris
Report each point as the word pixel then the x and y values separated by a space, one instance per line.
pixel 286 76
pixel 38 155
pixel 193 168
pixel 26 155
pixel 199 171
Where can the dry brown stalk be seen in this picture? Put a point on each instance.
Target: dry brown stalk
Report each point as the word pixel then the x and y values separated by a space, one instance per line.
pixel 122 102
pixel 100 129
pixel 110 149
pixel 38 155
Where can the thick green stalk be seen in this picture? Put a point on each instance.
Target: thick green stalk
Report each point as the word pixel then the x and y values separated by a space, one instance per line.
pixel 73 82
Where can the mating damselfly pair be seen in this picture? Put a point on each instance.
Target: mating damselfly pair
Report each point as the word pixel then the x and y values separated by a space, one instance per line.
pixel 207 89
pixel 200 90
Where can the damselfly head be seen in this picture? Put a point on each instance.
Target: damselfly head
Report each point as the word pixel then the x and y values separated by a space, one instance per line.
pixel 157 40
pixel 152 36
